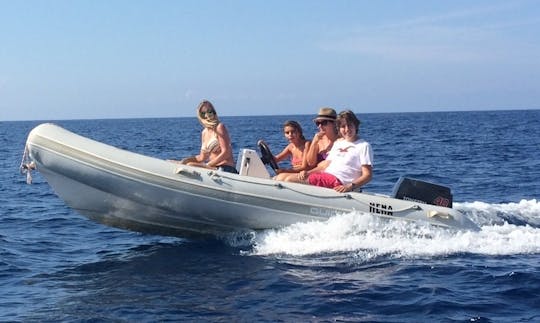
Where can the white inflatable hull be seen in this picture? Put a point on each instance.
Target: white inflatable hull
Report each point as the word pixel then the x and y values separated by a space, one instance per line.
pixel 136 192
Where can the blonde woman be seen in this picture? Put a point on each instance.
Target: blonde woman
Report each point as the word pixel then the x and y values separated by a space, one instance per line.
pixel 216 150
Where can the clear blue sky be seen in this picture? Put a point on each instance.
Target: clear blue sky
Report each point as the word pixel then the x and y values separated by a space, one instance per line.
pixel 122 59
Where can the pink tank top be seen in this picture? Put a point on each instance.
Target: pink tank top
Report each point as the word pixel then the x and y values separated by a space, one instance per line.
pixel 296 162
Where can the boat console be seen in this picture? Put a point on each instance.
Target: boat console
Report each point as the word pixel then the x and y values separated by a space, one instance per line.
pixel 250 164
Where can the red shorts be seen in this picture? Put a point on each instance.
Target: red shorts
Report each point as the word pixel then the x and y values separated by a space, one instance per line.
pixel 323 179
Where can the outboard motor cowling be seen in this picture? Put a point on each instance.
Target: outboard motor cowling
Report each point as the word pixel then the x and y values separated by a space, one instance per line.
pixel 424 192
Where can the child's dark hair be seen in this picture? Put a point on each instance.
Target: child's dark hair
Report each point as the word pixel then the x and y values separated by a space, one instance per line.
pixel 296 126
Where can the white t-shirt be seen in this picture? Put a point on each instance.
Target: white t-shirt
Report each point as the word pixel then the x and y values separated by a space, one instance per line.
pixel 346 159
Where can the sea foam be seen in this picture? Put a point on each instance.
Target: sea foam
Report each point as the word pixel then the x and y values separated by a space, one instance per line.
pixel 369 236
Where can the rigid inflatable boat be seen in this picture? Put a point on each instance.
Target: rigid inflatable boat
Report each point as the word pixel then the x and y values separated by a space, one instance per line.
pixel 127 190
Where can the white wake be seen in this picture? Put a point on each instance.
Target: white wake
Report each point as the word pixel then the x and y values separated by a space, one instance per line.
pixel 372 237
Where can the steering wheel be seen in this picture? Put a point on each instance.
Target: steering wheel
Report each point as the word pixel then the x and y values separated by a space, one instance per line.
pixel 266 155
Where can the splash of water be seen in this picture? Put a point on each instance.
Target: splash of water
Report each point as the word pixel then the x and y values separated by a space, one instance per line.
pixel 525 212
pixel 368 236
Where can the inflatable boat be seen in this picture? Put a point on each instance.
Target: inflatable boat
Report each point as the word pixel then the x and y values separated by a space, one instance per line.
pixel 128 190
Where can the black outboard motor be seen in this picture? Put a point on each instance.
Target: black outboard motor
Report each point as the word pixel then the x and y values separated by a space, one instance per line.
pixel 424 192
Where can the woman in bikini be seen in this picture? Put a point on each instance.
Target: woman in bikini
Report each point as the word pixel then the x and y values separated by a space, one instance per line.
pixel 296 149
pixel 216 151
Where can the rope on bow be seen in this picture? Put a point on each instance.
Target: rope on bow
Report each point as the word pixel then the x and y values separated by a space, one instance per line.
pixel 27 165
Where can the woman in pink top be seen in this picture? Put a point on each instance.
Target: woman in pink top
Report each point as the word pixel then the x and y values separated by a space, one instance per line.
pixel 296 149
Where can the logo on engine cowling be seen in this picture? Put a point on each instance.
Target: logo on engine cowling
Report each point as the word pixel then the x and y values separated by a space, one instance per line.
pixel 441 201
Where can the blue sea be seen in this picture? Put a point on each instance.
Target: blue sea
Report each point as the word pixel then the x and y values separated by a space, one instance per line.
pixel 56 265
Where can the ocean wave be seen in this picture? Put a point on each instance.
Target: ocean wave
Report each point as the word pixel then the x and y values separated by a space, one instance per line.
pixel 525 212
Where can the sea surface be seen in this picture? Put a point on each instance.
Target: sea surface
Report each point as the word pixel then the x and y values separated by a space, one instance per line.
pixel 56 265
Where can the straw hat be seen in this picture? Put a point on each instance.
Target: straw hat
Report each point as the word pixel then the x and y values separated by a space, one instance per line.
pixel 326 114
